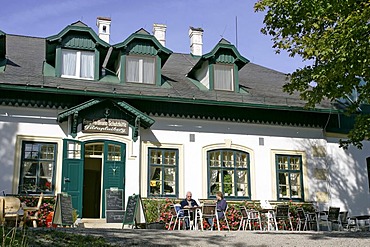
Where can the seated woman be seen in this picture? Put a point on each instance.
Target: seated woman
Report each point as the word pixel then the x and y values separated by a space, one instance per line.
pixel 221 206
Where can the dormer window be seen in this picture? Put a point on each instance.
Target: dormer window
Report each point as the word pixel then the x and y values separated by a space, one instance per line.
pixel 218 69
pixel 140 69
pixel 223 77
pixel 77 64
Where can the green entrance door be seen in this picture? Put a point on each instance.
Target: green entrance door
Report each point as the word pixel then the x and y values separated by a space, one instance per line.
pixel 114 168
pixel 72 172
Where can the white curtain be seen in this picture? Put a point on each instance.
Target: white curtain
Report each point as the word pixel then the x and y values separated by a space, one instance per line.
pixel 149 70
pixel 223 77
pixel 87 65
pixel 69 63
pixel 132 71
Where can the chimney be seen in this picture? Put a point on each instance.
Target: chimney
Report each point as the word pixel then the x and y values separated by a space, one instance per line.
pixel 159 32
pixel 196 41
pixel 103 24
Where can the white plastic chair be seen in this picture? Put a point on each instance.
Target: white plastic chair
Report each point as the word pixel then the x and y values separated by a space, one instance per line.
pixel 179 215
pixel 253 217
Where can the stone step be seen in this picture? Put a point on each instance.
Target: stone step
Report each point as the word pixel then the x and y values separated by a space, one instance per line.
pixel 97 223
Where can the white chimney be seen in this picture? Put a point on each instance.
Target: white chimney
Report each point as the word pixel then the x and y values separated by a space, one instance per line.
pixel 159 32
pixel 196 41
pixel 103 24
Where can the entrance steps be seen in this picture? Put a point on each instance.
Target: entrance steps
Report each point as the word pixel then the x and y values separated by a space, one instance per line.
pixel 98 223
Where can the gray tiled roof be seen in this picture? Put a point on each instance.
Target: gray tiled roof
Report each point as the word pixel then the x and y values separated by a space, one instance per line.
pixel 26 56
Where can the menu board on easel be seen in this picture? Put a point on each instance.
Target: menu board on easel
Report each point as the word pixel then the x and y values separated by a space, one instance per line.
pixel 63 211
pixel 114 212
pixel 133 208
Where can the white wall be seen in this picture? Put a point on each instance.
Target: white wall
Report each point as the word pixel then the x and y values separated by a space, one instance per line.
pixel 345 182
pixel 16 121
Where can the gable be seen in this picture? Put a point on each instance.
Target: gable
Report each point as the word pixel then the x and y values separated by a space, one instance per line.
pixel 141 42
pixel 97 108
pixel 74 36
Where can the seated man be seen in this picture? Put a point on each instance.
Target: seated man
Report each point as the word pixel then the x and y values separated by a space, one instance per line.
pixel 188 202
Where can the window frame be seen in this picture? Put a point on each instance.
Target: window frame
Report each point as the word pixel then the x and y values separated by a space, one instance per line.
pixel 290 171
pixel 37 176
pixel 229 66
pixel 78 64
pixel 162 166
pixel 141 69
pixel 234 169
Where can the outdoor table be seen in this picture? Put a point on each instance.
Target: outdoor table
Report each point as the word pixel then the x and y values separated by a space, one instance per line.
pixel 358 218
pixel 195 211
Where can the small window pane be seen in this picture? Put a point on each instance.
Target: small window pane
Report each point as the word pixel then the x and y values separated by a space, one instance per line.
pixel 73 150
pixel 114 152
pixel 87 65
pixel 69 62
pixel 46 169
pixel 223 79
pixel 29 168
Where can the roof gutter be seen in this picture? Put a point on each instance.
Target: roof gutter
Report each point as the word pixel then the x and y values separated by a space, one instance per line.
pixel 160 98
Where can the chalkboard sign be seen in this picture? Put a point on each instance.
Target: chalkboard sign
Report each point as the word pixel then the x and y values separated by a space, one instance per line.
pixel 63 211
pixel 134 204
pixel 114 199
pixel 113 216
pixel 131 210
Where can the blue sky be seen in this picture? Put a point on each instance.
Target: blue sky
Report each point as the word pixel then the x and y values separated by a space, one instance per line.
pixel 43 18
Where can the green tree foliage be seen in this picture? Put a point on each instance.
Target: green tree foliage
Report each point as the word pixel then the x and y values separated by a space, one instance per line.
pixel 332 36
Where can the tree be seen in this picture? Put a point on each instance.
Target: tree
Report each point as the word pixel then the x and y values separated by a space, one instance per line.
pixel 334 37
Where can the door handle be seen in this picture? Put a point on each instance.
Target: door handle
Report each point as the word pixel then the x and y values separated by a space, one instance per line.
pixel 66 180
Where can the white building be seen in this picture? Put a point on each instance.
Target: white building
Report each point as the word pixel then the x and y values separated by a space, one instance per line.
pixel 80 115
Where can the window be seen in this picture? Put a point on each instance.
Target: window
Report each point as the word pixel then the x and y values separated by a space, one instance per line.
pixel 37 167
pixel 163 172
pixel 77 64
pixel 140 69
pixel 223 77
pixel 228 172
pixel 73 150
pixel 289 177
pixel 114 152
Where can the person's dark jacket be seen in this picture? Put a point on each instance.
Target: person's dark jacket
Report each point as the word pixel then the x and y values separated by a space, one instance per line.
pixel 185 203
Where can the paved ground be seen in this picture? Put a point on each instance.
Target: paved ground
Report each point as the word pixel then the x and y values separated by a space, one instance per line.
pixel 144 237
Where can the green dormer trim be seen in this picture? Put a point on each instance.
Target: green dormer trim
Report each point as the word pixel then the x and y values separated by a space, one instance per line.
pixel 229 55
pixel 223 53
pixel 77 36
pixel 80 28
pixel 142 43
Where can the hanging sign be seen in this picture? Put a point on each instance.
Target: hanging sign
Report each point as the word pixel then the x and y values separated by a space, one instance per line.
pixel 103 125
